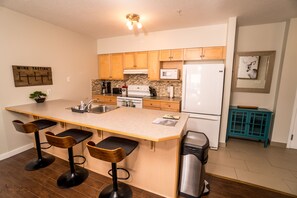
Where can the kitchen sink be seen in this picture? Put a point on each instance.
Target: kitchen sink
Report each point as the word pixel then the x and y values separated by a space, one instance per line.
pixel 102 108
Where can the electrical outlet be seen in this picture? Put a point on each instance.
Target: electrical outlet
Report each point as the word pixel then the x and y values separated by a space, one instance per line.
pixel 48 92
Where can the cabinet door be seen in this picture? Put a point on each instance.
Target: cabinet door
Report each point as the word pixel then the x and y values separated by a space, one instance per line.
pixel 129 62
pixel 112 100
pixel 151 104
pixel 238 124
pixel 213 53
pixel 257 124
pixel 177 54
pixel 153 65
pixel 170 106
pixel 141 60
pixel 165 55
pixel 104 66
pixel 116 66
pixel 192 53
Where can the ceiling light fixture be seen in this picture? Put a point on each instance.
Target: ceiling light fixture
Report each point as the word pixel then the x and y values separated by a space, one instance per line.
pixel 133 19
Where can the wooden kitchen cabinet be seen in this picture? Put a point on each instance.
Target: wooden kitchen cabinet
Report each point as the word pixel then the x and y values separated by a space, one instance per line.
pixel 206 53
pixel 152 104
pixel 170 106
pixel 104 66
pixel 153 65
pixel 165 105
pixel 110 66
pixel 136 60
pixel 171 55
pixel 105 99
pixel 116 66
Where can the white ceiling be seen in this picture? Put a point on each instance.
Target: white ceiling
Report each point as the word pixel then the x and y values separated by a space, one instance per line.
pixel 106 18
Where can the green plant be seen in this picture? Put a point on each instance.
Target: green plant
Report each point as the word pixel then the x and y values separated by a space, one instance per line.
pixel 37 95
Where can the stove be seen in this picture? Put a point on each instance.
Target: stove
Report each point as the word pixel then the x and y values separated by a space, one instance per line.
pixel 135 96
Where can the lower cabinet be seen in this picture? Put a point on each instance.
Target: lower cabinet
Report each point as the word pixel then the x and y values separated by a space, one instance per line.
pixel 165 105
pixel 106 99
pixel 249 123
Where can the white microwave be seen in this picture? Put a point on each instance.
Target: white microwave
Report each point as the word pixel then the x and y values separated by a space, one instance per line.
pixel 171 74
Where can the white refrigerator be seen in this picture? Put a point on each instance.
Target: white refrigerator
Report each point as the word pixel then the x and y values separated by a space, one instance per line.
pixel 202 92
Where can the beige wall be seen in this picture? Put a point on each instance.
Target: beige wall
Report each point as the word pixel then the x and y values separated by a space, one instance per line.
pixel 260 38
pixel 28 41
pixel 288 86
pixel 214 35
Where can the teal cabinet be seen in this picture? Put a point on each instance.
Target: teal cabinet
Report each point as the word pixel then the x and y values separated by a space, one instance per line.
pixel 249 123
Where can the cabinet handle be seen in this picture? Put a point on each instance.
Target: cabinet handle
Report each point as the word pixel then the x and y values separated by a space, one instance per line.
pixel 134 66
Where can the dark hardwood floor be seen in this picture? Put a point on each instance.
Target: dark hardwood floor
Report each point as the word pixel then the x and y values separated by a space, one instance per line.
pixel 16 182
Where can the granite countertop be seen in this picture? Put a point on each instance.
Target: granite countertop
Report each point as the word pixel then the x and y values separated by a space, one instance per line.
pixel 131 122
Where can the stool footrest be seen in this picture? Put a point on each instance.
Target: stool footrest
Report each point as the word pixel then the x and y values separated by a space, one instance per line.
pixel 121 178
pixel 81 156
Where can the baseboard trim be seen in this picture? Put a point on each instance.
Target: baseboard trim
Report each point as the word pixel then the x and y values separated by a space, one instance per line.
pixel 278 144
pixel 251 184
pixel 15 151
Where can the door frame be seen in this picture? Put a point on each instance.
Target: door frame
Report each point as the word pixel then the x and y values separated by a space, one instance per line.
pixel 293 124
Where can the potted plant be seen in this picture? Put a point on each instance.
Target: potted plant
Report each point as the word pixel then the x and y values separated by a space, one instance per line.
pixel 38 96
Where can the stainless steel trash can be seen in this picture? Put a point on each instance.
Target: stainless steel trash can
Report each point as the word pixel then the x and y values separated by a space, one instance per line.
pixel 194 155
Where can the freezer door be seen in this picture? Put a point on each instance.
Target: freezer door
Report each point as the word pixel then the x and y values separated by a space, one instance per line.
pixel 207 124
pixel 203 88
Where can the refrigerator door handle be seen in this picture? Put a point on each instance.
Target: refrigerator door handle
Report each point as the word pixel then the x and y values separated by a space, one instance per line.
pixel 183 88
pixel 211 118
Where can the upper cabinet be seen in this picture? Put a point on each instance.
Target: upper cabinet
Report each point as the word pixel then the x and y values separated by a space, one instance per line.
pixel 206 53
pixel 171 55
pixel 110 66
pixel 116 66
pixel 104 66
pixel 153 65
pixel 135 60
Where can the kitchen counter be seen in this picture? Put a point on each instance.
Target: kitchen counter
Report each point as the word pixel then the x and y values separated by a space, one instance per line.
pixel 154 164
pixel 163 98
pixel 126 121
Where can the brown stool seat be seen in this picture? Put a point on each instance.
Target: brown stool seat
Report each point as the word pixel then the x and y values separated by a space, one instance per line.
pixel 113 149
pixel 34 127
pixel 67 139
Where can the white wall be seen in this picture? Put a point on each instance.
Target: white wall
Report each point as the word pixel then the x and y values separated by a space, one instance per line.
pixel 288 86
pixel 180 38
pixel 260 38
pixel 28 41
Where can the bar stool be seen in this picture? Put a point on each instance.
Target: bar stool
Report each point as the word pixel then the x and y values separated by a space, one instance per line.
pixel 34 127
pixel 67 139
pixel 113 149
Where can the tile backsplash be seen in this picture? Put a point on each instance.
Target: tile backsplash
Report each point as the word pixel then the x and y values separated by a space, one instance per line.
pixel 140 79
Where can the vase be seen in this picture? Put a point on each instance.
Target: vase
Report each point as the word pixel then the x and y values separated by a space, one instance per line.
pixel 40 100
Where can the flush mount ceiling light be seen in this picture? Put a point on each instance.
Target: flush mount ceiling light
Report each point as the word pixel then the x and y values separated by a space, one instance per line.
pixel 133 19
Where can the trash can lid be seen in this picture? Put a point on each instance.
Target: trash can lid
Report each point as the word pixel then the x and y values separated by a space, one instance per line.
pixel 196 139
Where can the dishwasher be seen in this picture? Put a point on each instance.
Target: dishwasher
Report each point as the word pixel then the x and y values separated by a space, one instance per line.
pixel 194 156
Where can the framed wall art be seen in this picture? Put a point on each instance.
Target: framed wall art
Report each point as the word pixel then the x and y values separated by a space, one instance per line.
pixel 31 75
pixel 253 71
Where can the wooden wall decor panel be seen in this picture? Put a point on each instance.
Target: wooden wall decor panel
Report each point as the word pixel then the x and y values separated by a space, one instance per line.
pixel 31 75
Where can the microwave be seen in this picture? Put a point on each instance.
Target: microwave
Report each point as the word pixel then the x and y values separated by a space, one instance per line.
pixel 171 74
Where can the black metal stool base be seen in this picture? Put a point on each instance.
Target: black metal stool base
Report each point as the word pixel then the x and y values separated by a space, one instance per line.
pixel 124 191
pixel 36 164
pixel 69 179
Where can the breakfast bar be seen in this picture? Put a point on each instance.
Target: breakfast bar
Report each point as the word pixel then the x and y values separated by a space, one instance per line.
pixel 154 163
